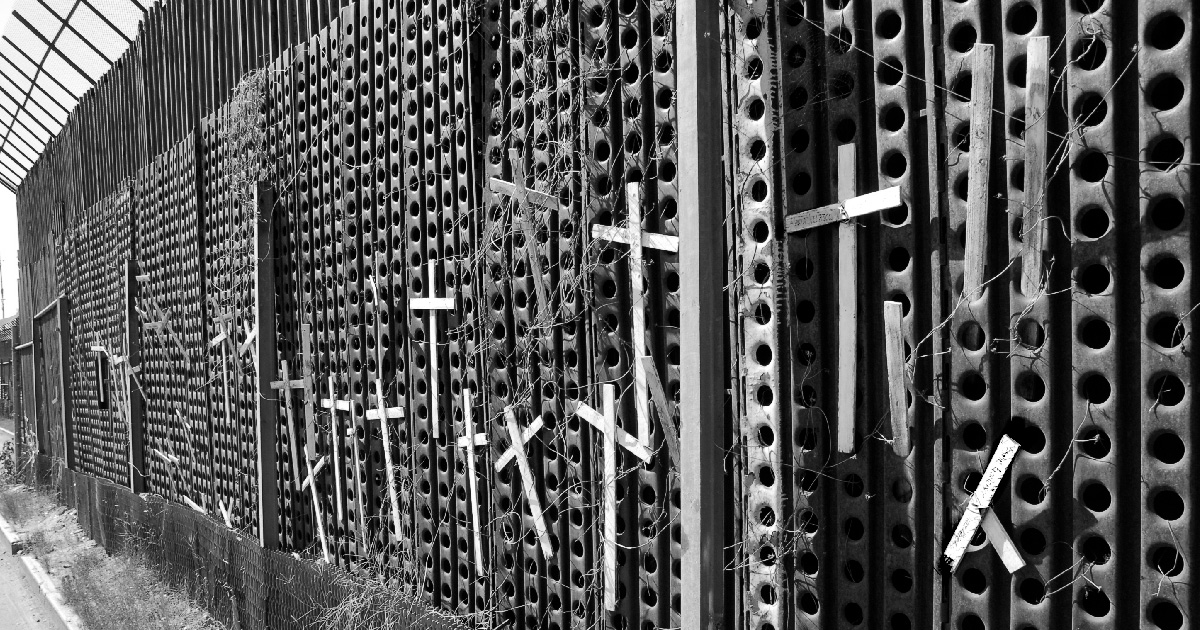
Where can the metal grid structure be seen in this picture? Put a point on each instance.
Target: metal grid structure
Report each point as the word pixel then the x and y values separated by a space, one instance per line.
pixel 472 239
pixel 53 52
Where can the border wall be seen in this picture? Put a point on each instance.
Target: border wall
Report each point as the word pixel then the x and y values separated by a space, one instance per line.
pixel 457 223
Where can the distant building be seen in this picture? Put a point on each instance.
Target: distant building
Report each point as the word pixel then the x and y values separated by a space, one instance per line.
pixel 7 326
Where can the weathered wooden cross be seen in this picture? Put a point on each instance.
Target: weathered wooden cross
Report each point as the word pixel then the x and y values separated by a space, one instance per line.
pixel 606 423
pixel 979 513
pixel 432 305
pixel 518 192
pixel 638 241
pixel 847 208
pixel 469 442
pixel 224 340
pixel 285 387
pixel 157 322
pixel 383 414
pixel 516 451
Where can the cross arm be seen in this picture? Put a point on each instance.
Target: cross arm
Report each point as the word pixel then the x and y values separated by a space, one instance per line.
pixel 340 405
pixel 536 197
pixel 431 303
pixel 479 439
pixel 843 210
pixel 298 383
pixel 385 412
pixel 614 234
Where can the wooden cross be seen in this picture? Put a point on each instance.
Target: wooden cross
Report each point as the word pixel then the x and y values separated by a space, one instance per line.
pixel 335 406
pixel 979 512
pixel 223 340
pixel 433 305
pixel 613 435
pixel 847 208
pixel 469 442
pixel 383 413
pixel 157 322
pixel 285 387
pixel 160 324
pixel 518 192
pixel 638 241
pixel 516 451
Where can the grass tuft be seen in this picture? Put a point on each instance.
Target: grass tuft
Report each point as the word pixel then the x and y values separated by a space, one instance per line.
pixel 120 592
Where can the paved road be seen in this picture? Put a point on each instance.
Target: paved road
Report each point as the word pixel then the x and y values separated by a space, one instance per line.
pixel 22 605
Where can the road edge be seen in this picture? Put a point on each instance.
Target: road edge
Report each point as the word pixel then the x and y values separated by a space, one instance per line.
pixel 38 574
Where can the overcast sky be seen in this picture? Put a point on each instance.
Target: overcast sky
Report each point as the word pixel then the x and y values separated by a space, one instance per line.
pixel 8 212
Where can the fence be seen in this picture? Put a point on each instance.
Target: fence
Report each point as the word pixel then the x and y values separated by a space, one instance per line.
pixel 226 573
pixel 367 301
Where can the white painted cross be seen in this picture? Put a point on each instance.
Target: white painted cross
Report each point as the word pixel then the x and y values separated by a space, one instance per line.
pixel 847 208
pixel 433 304
pixel 383 414
pixel 516 450
pixel 517 190
pixel 223 340
pixel 979 512
pixel 638 241
pixel 469 442
pixel 285 386
pixel 613 435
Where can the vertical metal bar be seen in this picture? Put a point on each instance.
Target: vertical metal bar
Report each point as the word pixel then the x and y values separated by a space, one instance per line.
pixel 268 404
pixel 702 312
pixel 134 402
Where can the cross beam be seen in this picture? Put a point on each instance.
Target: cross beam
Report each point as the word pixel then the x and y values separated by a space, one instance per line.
pixel 606 423
pixel 638 241
pixel 516 451
pixel 847 208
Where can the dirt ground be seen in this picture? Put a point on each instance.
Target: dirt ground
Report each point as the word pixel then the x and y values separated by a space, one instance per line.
pixel 107 592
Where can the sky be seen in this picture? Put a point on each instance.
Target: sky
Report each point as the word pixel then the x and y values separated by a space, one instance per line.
pixel 8 212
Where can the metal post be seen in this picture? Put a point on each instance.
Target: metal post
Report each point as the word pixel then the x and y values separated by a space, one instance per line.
pixel 134 405
pixel 702 308
pixel 268 404
pixel 64 359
